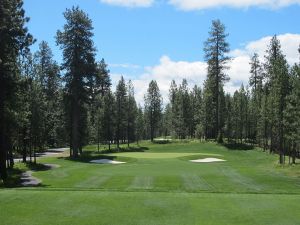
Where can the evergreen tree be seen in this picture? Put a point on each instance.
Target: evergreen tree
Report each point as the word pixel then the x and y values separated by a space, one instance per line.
pixel 14 39
pixel 292 114
pixel 140 125
pixel 209 109
pixel 79 63
pixel 278 81
pixel 153 107
pixel 48 75
pixel 109 118
pixel 174 108
pixel 197 112
pixel 121 115
pixel 229 121
pixel 103 81
pixel 167 126
pixel 215 49
pixel 131 113
pixel 256 83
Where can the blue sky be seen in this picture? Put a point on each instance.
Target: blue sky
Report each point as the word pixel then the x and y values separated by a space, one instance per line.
pixel 141 37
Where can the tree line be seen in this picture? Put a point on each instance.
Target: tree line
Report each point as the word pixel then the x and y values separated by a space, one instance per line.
pixel 264 113
pixel 46 104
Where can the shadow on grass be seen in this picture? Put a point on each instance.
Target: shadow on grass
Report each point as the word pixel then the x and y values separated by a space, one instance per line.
pixel 162 141
pixel 16 180
pixel 86 157
pixel 38 167
pixel 238 146
pixel 130 149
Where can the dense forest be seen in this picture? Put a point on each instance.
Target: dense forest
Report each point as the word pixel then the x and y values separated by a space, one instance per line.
pixel 46 104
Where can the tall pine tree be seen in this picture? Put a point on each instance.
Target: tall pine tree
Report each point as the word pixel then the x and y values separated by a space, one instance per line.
pixel 216 48
pixel 79 63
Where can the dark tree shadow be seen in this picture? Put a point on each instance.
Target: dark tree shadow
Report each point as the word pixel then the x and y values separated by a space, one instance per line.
pixel 38 166
pixel 130 149
pixel 238 146
pixel 86 157
pixel 162 142
pixel 16 180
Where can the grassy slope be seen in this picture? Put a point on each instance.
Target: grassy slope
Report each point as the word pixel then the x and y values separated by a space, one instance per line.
pixel 157 187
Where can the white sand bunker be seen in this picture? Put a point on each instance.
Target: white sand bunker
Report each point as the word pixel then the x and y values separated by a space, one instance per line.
pixel 106 161
pixel 207 160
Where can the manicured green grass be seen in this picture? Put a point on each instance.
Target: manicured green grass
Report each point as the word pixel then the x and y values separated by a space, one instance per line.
pixel 160 186
pixel 134 208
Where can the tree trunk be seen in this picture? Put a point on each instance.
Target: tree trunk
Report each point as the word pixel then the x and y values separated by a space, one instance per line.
pixel 294 153
pixel 11 158
pixel 75 128
pixel 3 170
pixel 24 150
pixel 98 138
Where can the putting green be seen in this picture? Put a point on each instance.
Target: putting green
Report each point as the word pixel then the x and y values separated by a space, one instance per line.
pixel 148 155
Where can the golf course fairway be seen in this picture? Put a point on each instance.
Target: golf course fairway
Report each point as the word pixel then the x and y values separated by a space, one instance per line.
pixel 159 186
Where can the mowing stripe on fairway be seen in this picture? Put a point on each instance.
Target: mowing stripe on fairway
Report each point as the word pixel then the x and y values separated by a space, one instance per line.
pixel 194 182
pixel 93 182
pixel 240 179
pixel 142 182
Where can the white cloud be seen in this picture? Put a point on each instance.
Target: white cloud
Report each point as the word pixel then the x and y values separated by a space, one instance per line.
pixel 200 4
pixel 129 3
pixel 289 45
pixel 166 71
pixel 195 72
pixel 125 66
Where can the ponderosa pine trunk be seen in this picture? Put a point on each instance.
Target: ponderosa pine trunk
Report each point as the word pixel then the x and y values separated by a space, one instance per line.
pixel 75 128
pixel 3 170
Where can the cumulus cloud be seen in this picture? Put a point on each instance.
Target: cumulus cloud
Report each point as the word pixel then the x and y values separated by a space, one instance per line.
pixel 166 71
pixel 195 72
pixel 200 4
pixel 129 3
pixel 239 71
pixel 289 46
pixel 125 66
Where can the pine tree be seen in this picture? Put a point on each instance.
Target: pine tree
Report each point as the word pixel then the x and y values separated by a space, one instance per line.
pixel 48 75
pixel 121 115
pixel 215 49
pixel 197 112
pixel 209 109
pixel 292 114
pixel 131 113
pixel 140 125
pixel 103 81
pixel 278 81
pixel 153 107
pixel 174 108
pixel 109 117
pixel 167 125
pixel 99 86
pixel 79 63
pixel 14 39
pixel 256 83
pixel 229 121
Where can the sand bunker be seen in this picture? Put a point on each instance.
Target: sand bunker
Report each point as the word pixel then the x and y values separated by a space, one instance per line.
pixel 106 161
pixel 207 160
